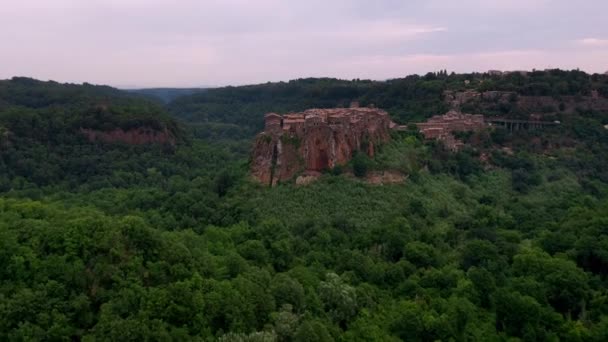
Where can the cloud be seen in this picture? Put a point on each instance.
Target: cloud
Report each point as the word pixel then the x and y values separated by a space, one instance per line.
pixel 391 66
pixel 594 42
pixel 489 7
pixel 509 5
pixel 390 30
pixel 366 35
pixel 218 42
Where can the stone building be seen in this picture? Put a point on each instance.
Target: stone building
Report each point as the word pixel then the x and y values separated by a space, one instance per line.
pixel 272 122
pixel 293 123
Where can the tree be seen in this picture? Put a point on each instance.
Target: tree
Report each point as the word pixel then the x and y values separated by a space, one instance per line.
pixel 340 299
pixel 517 314
pixel 481 253
pixel 223 182
pixel 286 323
pixel 360 165
pixel 566 284
pixel 288 291
pixel 312 331
pixel 420 254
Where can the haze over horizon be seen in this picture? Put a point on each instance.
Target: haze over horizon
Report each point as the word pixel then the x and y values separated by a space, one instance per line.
pixel 188 43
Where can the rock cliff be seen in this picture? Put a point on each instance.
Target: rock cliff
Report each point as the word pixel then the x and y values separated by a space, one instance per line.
pixel 315 140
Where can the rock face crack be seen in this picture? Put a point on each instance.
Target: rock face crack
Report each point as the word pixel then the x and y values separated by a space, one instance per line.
pixel 315 140
pixel 273 164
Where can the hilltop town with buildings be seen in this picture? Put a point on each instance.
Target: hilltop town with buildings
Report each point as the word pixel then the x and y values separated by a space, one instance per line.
pixel 320 139
pixel 355 118
pixel 316 140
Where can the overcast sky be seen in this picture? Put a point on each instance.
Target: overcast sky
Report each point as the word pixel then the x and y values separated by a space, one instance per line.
pixel 183 43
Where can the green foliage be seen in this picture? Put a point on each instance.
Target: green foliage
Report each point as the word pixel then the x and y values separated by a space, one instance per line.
pixel 291 140
pixel 409 99
pixel 166 95
pixel 47 110
pixel 105 242
pixel 43 143
pixel 360 163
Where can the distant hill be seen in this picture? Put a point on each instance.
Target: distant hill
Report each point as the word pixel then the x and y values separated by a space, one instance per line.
pixel 51 131
pixel 165 95
pixel 504 239
pixel 26 104
pixel 238 111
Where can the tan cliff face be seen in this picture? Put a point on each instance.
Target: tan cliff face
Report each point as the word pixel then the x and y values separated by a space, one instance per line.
pixel 315 140
pixel 137 136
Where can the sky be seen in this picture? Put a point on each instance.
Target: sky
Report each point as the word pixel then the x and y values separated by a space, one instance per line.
pixel 194 43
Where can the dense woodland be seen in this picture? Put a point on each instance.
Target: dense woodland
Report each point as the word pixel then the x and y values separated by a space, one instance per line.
pixel 165 95
pixel 143 243
pixel 238 111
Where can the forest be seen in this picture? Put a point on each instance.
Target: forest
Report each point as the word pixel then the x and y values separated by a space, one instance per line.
pixel 110 241
pixel 238 111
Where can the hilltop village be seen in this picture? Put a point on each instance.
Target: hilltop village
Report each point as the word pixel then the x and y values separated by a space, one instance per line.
pixel 121 221
pixel 320 139
pixel 316 140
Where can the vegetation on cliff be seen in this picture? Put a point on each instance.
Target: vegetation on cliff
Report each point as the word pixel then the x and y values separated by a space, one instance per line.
pixel 115 242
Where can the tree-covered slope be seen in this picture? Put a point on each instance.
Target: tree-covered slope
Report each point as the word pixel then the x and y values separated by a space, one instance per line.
pixel 31 107
pixel 165 95
pixel 505 240
pixel 435 259
pixel 238 111
pixel 42 123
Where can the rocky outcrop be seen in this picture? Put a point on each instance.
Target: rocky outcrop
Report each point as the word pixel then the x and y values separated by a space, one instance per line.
pixel 372 177
pixel 137 136
pixel 308 177
pixel 385 177
pixel 315 140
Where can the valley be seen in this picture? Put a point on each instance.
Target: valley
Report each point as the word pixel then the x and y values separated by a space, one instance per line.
pixel 309 210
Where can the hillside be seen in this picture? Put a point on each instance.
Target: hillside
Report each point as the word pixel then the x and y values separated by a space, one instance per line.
pixel 47 126
pixel 502 240
pixel 165 95
pixel 89 106
pixel 239 111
